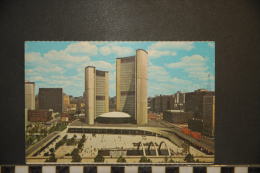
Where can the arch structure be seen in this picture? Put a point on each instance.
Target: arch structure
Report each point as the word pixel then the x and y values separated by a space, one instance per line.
pixel 143 148
pixel 151 144
pixel 160 148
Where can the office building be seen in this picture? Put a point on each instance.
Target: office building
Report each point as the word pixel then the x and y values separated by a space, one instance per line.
pixel 194 102
pixel 177 116
pixel 51 98
pixel 39 115
pixel 161 103
pixel 179 100
pixel 209 115
pixel 66 102
pixel 29 95
pixel 131 86
pixel 96 93
pixel 112 104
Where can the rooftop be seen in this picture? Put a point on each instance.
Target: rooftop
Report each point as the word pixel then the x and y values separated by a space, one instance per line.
pixel 114 115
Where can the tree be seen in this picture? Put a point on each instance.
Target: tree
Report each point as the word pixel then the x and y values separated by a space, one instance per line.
pixel 52 150
pixel 189 158
pixel 65 137
pixel 76 158
pixel 80 145
pixel 121 159
pixel 99 158
pixel 144 159
pixel 75 151
pixel 52 158
pixel 171 161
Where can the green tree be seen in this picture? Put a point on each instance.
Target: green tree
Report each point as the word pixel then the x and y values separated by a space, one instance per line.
pixel 171 161
pixel 52 150
pixel 144 159
pixel 121 159
pixel 52 158
pixel 65 137
pixel 189 158
pixel 99 158
pixel 75 155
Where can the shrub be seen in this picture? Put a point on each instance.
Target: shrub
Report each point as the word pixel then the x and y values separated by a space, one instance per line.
pixel 144 159
pixel 99 158
pixel 121 159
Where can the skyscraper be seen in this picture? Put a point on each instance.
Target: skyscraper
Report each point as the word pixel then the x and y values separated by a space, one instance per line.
pixel 131 86
pixel 29 95
pixel 66 102
pixel 96 93
pixel 209 115
pixel 51 98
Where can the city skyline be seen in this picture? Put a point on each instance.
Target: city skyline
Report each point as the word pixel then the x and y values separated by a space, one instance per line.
pixel 183 66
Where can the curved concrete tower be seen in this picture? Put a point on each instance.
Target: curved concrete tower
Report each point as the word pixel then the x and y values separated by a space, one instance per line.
pixel 131 86
pixel 90 82
pixel 96 93
pixel 141 86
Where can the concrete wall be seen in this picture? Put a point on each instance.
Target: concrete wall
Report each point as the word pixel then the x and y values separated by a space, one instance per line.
pixel 141 86
pixel 106 88
pixel 118 63
pixel 125 85
pixel 102 97
pixel 90 94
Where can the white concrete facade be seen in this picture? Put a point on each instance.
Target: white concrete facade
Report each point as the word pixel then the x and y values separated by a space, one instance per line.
pixel 131 86
pixel 30 95
pixel 90 96
pixel 96 93
pixel 141 87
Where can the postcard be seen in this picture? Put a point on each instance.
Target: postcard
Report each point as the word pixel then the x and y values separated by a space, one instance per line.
pixel 119 101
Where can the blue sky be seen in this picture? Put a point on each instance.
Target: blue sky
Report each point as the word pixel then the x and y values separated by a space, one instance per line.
pixel 173 65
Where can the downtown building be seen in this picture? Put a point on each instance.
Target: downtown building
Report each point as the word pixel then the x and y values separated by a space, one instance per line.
pixel 131 86
pixel 96 93
pixel 201 103
pixel 209 115
pixel 51 98
pixel 29 95
pixel 194 102
pixel 66 102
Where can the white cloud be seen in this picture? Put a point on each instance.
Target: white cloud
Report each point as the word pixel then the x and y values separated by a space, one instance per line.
pixel 105 51
pixel 211 44
pixel 180 81
pixel 119 51
pixel 158 73
pixel 183 45
pixel 102 65
pixel 157 53
pixel 55 69
pixel 64 56
pixel 189 61
pixel 35 57
pixel 194 65
pixel 82 47
pixel 37 78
